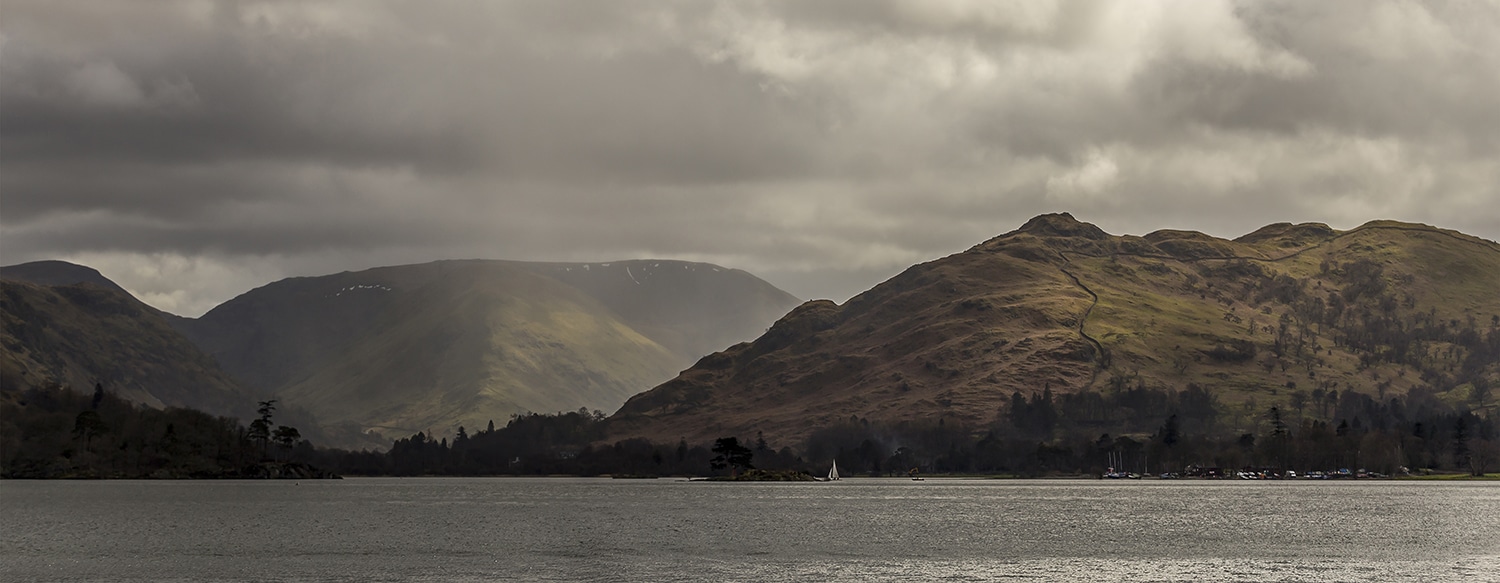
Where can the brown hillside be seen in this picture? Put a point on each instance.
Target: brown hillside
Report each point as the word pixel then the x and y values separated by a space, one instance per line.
pixel 79 335
pixel 1286 315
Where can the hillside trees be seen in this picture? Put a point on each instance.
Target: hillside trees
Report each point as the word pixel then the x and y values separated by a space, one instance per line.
pixel 50 432
pixel 1372 312
pixel 1140 427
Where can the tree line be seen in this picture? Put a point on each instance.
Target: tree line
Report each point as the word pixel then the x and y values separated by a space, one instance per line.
pixel 1145 429
pixel 54 432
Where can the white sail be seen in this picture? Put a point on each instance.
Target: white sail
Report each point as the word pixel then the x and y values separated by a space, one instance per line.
pixel 833 473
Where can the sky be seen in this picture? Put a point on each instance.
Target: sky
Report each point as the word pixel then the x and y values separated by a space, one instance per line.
pixel 194 150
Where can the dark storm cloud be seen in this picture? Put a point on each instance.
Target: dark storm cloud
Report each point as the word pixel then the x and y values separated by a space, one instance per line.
pixel 825 145
pixel 247 90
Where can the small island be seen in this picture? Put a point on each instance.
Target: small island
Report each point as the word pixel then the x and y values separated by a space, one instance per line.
pixel 729 454
pixel 755 475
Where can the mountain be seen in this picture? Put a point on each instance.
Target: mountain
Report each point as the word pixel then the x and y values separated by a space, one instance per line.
pixel 78 334
pixel 1288 315
pixel 50 273
pixel 435 346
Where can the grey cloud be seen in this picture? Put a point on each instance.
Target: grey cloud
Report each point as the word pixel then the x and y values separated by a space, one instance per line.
pixel 1403 69
pixel 998 25
pixel 509 106
pixel 825 145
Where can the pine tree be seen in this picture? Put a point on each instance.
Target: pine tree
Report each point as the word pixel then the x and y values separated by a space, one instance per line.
pixel 732 455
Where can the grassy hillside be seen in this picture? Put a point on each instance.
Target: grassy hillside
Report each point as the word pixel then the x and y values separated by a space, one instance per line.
pixel 480 346
pixel 436 346
pixel 1289 316
pixel 689 308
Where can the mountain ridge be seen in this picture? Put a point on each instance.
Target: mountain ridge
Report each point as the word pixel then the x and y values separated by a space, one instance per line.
pixel 80 334
pixel 54 272
pixel 439 345
pixel 1084 310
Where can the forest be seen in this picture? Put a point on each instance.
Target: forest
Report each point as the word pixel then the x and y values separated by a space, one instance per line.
pixel 54 432
pixel 61 433
pixel 1146 430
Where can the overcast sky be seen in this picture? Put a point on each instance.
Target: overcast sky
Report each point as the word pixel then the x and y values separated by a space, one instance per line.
pixel 194 150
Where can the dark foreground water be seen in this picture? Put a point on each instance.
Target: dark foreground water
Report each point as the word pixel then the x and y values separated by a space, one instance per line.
pixel 560 529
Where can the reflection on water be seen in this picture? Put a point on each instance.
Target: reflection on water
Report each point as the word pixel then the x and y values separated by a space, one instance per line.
pixel 665 530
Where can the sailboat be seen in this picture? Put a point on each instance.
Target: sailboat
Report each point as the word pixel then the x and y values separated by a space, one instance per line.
pixel 833 473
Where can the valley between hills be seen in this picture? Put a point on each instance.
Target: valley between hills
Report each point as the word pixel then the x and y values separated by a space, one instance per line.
pixel 382 353
pixel 1049 347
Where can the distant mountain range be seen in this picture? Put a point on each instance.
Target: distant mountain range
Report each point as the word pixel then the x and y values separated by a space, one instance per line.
pixel 1289 316
pixel 395 350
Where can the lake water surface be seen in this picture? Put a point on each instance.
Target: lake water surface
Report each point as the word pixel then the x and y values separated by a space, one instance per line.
pixel 567 529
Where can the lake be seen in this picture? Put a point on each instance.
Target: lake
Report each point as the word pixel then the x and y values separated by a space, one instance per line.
pixel 584 529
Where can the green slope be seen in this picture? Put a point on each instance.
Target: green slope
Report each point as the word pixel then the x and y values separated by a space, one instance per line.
pixel 477 346
pixel 436 346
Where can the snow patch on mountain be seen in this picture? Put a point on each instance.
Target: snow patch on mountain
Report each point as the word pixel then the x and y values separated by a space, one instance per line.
pixel 355 288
